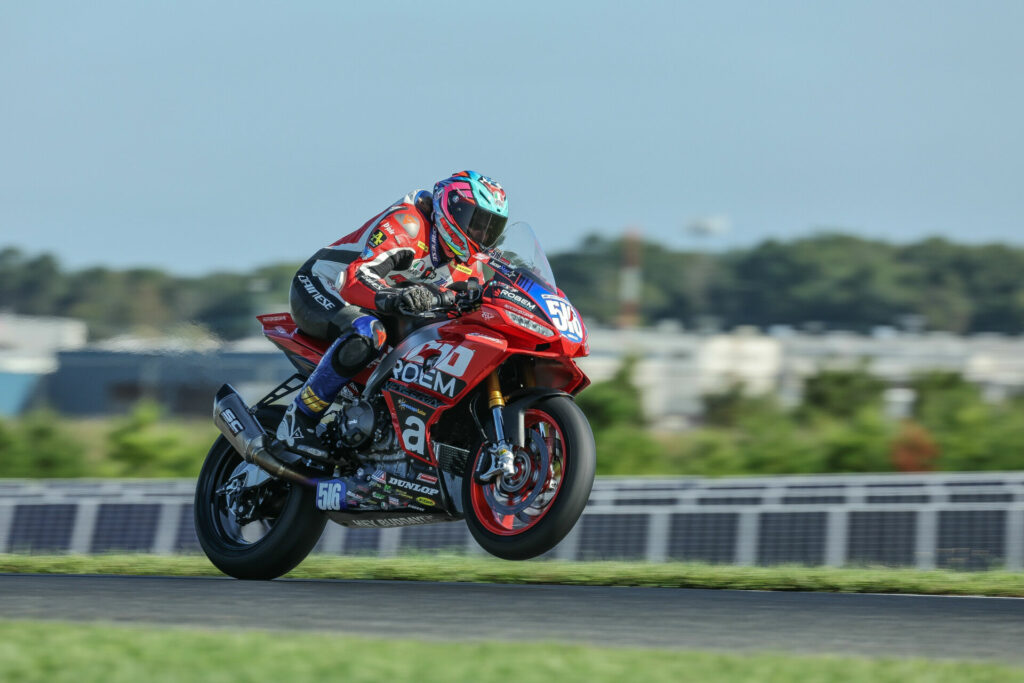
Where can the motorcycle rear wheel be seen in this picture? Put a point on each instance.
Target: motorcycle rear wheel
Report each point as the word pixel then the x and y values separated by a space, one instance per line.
pixel 532 513
pixel 281 535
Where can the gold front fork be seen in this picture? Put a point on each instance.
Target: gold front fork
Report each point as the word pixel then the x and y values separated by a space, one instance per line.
pixel 494 396
pixel 502 460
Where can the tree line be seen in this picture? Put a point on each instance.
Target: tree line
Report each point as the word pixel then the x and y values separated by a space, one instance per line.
pixel 840 426
pixel 826 281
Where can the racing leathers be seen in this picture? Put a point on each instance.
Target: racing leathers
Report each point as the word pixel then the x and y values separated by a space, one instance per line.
pixel 394 263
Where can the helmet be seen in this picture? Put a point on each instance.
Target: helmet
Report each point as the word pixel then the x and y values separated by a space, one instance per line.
pixel 470 212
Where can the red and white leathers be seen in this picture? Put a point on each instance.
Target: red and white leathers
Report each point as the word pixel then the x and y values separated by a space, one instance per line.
pixel 336 294
pixel 398 245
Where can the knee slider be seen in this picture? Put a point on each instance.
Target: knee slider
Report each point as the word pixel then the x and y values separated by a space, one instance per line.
pixel 352 355
pixel 364 343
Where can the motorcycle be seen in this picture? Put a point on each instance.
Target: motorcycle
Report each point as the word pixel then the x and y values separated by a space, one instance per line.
pixel 468 415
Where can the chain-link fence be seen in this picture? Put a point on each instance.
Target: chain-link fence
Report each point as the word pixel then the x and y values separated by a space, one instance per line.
pixel 961 521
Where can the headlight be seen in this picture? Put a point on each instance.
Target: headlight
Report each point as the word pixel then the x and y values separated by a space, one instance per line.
pixel 529 324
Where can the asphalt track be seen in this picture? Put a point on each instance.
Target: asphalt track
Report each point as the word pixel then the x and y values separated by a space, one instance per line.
pixel 889 625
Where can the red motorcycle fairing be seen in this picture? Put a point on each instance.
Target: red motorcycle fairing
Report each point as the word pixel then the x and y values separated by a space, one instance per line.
pixel 437 365
pixel 432 370
pixel 302 350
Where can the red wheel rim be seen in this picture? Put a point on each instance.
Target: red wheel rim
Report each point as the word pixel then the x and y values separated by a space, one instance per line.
pixel 509 513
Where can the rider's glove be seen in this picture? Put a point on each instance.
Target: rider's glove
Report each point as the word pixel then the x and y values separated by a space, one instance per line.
pixel 416 299
pixel 412 299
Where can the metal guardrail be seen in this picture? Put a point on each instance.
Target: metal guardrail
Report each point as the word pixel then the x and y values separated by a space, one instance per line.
pixel 963 521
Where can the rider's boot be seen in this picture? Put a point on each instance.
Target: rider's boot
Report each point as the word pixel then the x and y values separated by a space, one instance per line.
pixel 298 428
pixel 345 358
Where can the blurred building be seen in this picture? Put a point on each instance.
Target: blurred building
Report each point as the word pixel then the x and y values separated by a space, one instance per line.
pixel 675 368
pixel 46 362
pixel 181 375
pixel 28 353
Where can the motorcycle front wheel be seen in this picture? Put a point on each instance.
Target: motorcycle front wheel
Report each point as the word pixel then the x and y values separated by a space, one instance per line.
pixel 526 515
pixel 252 532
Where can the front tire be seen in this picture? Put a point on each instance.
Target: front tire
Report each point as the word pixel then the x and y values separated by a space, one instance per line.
pixel 531 514
pixel 280 523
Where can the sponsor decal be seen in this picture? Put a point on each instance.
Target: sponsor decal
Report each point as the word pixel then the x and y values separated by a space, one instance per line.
pixel 418 488
pixel 405 520
pixel 457 242
pixel 412 416
pixel 498 194
pixel 463 269
pixel 311 289
pixel 405 405
pixel 484 337
pixel 516 298
pixel 441 377
pixel 426 478
pixel 435 248
pixel 422 269
pixel 232 421
pixel 330 494
pixel 421 245
pixel 410 223
pixel 425 501
pixel 502 267
pixel 394 501
pixel 379 476
pixel 377 238
pixel 414 436
pixel 275 318
pixel 564 316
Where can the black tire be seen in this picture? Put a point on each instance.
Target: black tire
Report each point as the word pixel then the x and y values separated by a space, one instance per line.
pixel 295 522
pixel 570 499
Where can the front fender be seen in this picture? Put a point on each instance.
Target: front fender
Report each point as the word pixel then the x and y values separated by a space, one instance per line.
pixel 514 412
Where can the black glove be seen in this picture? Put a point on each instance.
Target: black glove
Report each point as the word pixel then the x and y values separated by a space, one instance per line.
pixel 412 299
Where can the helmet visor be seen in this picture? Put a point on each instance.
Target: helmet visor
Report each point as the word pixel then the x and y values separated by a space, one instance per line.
pixel 480 225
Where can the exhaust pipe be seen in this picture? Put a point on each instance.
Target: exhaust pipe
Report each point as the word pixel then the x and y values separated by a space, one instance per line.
pixel 232 417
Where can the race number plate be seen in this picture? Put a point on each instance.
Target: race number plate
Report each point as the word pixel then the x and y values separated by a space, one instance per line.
pixel 330 494
pixel 564 316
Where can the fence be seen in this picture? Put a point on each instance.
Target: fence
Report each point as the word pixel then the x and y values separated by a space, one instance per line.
pixel 963 521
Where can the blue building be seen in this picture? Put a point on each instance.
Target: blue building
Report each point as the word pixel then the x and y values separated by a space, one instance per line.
pixel 98 381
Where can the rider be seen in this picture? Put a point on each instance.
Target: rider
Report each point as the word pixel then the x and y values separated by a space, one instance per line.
pixel 401 261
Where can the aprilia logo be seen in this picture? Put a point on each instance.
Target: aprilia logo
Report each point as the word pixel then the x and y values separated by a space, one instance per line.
pixel 415 436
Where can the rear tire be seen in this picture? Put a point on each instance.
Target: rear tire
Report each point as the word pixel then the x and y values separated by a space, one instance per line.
pixel 558 427
pixel 291 523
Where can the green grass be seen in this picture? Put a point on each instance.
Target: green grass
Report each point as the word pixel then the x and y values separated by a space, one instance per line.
pixel 491 570
pixel 55 652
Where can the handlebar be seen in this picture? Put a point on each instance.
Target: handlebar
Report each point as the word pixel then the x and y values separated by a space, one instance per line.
pixel 451 302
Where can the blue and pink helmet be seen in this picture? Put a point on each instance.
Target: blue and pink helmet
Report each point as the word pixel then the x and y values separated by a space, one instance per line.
pixel 470 212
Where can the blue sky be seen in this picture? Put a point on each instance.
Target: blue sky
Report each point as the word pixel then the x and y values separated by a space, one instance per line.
pixel 198 135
